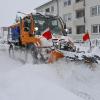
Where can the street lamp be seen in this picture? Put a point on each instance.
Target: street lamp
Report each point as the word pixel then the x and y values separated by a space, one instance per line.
pixel 19 18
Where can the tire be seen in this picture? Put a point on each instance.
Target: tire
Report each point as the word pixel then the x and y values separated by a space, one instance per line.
pixel 37 55
pixel 34 53
pixel 11 51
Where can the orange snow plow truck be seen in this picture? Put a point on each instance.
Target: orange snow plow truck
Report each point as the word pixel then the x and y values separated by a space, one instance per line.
pixel 42 35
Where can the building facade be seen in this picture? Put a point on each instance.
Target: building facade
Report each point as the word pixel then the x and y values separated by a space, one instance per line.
pixel 80 15
pixel 4 33
pixel 49 7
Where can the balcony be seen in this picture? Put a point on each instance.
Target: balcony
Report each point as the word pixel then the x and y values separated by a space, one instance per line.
pixel 79 21
pixel 79 5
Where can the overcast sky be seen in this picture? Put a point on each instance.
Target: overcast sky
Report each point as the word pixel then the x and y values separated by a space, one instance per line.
pixel 9 9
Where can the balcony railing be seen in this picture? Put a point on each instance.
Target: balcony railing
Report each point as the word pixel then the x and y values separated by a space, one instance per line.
pixel 79 5
pixel 79 21
pixel 78 1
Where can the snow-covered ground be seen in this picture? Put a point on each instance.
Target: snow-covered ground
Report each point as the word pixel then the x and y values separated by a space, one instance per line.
pixel 58 81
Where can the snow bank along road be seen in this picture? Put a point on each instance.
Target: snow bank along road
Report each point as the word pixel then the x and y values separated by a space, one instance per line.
pixel 47 82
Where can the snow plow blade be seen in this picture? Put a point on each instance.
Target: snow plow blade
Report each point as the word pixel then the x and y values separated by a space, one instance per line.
pixel 55 55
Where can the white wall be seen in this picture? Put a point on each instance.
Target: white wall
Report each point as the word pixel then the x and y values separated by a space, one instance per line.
pixel 42 8
pixel 90 20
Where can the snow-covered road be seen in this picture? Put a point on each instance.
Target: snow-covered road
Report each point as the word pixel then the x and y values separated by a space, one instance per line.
pixel 7 64
pixel 20 81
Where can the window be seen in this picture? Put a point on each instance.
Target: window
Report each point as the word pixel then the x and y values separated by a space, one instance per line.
pixel 99 28
pixel 27 24
pixel 70 30
pixel 55 25
pixel 67 17
pixel 80 29
pixel 40 23
pixel 47 10
pixel 99 9
pixel 94 11
pixel 96 28
pixel 52 8
pixel 78 1
pixel 80 13
pixel 67 2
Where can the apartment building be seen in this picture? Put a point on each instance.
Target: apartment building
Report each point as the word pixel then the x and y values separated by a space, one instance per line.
pixel 4 33
pixel 49 7
pixel 80 15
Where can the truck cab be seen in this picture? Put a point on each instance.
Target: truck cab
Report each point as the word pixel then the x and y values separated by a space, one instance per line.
pixel 32 26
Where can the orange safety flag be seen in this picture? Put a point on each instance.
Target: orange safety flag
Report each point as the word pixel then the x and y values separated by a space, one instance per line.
pixel 47 34
pixel 86 37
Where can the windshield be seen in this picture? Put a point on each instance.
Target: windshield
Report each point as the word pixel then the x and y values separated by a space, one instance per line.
pixel 42 23
pixel 55 26
pixel 27 24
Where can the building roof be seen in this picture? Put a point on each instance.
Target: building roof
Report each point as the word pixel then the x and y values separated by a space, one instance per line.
pixel 49 1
